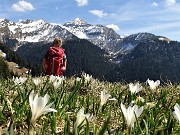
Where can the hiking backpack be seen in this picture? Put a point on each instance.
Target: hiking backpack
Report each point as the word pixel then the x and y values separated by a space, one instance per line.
pixel 55 61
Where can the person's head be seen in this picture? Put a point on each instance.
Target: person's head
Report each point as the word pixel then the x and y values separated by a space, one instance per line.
pixel 57 42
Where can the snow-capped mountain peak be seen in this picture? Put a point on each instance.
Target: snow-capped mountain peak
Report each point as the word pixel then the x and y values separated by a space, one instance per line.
pixel 31 31
pixel 77 21
pixel 30 26
pixel 4 22
pixel 97 34
pixel 39 30
pixel 2 19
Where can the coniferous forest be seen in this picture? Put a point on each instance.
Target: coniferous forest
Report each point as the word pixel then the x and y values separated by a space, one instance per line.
pixel 155 60
pixel 82 56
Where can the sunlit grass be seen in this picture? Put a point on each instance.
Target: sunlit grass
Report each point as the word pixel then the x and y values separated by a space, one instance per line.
pixel 70 95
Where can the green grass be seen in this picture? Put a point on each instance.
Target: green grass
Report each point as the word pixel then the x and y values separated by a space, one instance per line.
pixel 72 95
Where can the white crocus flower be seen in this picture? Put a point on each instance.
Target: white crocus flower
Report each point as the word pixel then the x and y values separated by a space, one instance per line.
pixel 20 80
pixel 78 79
pixel 81 117
pixel 56 80
pixel 87 77
pixel 153 84
pixel 176 112
pixel 139 98
pixel 36 81
pixel 104 97
pixel 132 102
pixel 57 83
pixel 39 106
pixel 130 113
pixel 150 105
pixel 135 88
pixel 52 78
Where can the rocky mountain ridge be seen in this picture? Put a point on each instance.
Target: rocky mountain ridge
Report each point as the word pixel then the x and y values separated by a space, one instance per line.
pixel 17 34
pixel 30 31
pixel 105 38
pixel 41 31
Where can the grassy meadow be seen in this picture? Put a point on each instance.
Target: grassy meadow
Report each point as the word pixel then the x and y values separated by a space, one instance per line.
pixel 87 106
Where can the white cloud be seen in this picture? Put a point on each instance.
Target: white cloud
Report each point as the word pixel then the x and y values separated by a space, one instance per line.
pixel 113 26
pixel 22 6
pixel 99 13
pixel 82 3
pixel 155 4
pixel 170 2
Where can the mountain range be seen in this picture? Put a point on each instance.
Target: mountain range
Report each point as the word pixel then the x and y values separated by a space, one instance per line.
pixel 124 54
pixel 41 31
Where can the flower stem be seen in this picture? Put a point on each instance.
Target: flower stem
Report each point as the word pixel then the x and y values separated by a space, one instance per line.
pixel 129 130
pixel 31 128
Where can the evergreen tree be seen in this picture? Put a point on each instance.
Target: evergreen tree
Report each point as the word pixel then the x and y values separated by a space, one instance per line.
pixel 4 70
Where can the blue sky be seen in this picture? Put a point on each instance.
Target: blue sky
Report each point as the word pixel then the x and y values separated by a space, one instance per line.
pixel 159 17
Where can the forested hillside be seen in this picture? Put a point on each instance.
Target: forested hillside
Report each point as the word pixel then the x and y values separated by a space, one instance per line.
pixel 12 56
pixel 82 56
pixel 4 72
pixel 155 60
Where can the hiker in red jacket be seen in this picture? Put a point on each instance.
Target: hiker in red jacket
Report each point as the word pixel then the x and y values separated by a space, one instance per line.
pixel 55 61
